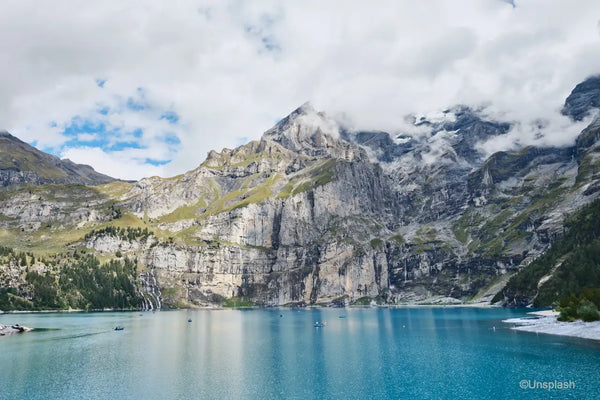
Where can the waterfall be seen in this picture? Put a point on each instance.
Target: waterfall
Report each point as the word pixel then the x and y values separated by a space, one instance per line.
pixel 150 292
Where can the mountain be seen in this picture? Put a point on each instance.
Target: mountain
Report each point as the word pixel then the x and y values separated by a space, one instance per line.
pixel 311 213
pixel 567 268
pixel 583 99
pixel 21 163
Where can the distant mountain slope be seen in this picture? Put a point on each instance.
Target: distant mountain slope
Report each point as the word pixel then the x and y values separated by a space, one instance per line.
pixel 570 265
pixel 21 163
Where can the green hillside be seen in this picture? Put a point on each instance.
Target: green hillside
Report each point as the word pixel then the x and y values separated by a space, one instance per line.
pixel 569 266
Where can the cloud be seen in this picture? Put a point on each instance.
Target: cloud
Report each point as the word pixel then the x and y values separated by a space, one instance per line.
pixel 559 131
pixel 126 164
pixel 87 137
pixel 175 80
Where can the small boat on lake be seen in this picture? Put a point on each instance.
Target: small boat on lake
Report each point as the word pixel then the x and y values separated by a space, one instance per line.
pixel 119 328
pixel 320 324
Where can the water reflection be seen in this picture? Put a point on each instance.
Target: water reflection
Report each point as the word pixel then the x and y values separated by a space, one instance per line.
pixel 254 354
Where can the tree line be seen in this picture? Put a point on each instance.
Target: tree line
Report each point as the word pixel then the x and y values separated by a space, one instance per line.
pixel 81 283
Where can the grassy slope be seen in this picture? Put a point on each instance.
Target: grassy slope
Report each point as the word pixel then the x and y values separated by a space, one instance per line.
pixel 15 154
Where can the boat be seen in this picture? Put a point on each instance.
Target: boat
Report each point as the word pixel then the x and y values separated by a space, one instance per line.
pixel 342 316
pixel 119 328
pixel 320 324
pixel 189 320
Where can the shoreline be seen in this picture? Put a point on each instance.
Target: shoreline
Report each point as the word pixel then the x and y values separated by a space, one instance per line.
pixel 70 310
pixel 545 322
pixel 403 305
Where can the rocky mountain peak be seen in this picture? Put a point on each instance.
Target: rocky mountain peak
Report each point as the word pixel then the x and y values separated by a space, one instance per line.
pixel 450 137
pixel 584 98
pixel 311 133
pixel 472 128
pixel 303 127
pixel 304 109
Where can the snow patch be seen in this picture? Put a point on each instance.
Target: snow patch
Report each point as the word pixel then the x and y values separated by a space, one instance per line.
pixel 548 324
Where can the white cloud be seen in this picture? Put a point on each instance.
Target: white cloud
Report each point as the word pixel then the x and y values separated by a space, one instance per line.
pixel 87 137
pixel 123 164
pixel 232 69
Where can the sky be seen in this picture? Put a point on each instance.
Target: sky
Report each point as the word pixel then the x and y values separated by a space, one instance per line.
pixel 141 88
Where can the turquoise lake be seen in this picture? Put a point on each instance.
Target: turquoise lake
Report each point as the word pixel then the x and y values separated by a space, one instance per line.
pixel 402 353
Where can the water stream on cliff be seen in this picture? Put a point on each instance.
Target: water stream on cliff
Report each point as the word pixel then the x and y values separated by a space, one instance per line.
pixel 438 353
pixel 150 292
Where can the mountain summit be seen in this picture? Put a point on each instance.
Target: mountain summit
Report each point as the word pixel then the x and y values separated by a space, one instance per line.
pixel 22 163
pixel 583 99
pixel 305 131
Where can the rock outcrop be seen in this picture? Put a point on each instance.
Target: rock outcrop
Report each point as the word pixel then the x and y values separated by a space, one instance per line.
pixel 583 99
pixel 12 329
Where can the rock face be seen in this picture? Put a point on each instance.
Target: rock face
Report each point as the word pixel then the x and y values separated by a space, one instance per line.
pixel 315 214
pixel 52 209
pixel 583 99
pixel 21 163
pixel 301 208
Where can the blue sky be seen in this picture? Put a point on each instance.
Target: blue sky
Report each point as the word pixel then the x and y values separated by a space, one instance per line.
pixel 96 130
pixel 103 130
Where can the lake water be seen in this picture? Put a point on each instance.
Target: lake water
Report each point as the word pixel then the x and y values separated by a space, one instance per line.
pixel 420 353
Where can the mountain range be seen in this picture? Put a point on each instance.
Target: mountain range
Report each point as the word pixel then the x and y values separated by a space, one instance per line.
pixel 310 214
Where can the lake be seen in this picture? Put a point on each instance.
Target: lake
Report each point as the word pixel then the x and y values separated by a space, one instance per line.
pixel 371 353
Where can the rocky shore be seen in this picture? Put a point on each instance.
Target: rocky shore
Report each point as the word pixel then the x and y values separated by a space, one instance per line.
pixel 546 322
pixel 12 329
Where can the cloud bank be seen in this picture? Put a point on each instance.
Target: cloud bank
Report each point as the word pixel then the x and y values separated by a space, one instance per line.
pixel 148 88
